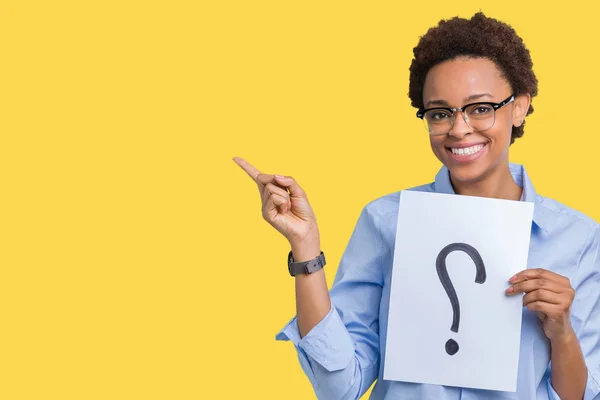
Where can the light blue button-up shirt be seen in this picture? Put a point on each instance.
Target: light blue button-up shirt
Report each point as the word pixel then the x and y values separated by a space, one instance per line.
pixel 343 354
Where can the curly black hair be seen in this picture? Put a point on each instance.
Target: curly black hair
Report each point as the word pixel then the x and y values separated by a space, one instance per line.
pixel 479 36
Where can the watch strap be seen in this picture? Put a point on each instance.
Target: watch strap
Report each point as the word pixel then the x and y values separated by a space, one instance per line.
pixel 305 267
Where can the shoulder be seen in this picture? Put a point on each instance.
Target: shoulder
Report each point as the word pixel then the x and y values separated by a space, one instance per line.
pixel 386 206
pixel 558 217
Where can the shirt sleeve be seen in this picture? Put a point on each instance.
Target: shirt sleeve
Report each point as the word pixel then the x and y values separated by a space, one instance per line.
pixel 340 355
pixel 585 315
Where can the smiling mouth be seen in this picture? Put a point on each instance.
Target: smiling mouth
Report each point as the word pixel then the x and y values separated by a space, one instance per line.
pixel 466 151
pixel 466 154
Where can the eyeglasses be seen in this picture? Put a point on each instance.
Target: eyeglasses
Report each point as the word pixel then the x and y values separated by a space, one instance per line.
pixel 479 116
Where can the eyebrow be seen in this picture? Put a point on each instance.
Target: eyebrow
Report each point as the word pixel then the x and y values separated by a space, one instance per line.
pixel 465 100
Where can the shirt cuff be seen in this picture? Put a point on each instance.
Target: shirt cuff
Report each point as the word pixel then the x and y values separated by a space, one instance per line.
pixel 592 388
pixel 552 395
pixel 328 343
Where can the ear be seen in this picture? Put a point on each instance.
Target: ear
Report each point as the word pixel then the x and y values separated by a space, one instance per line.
pixel 522 102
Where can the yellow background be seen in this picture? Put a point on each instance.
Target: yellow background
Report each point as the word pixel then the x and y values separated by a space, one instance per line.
pixel 134 261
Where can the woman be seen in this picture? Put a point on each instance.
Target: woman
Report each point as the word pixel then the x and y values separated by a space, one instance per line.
pixel 472 81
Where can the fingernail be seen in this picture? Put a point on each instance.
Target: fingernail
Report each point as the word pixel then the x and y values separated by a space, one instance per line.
pixel 510 289
pixel 512 278
pixel 279 177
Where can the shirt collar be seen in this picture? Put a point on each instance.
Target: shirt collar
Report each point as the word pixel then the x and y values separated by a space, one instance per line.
pixel 443 185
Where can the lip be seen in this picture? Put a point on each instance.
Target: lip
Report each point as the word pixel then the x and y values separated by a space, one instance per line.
pixel 466 157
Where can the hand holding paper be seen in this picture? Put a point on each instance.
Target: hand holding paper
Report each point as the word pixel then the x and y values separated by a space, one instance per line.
pixel 549 294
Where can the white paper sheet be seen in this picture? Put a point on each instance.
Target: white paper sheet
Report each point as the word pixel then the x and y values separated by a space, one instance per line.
pixel 421 313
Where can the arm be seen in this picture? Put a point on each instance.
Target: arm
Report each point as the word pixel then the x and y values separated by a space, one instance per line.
pixel 312 295
pixel 575 357
pixel 340 353
pixel 585 320
pixel 338 343
pixel 570 311
pixel 568 372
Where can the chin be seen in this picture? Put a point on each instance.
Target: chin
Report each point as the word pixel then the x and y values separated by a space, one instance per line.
pixel 467 173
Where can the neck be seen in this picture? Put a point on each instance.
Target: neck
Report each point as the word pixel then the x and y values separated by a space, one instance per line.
pixel 497 184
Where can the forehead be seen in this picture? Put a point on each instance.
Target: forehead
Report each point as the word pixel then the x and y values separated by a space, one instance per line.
pixel 456 79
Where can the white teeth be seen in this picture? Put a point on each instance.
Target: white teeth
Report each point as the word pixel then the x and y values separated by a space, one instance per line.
pixel 467 151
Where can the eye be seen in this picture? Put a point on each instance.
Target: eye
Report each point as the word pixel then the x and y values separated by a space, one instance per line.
pixel 437 115
pixel 480 110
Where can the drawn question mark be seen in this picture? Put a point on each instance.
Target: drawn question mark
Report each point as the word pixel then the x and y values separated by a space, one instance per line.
pixel 442 271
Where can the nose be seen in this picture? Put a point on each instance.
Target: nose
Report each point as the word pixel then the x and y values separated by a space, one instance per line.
pixel 460 128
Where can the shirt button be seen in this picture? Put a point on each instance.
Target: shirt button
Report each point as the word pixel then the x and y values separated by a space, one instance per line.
pixel 334 348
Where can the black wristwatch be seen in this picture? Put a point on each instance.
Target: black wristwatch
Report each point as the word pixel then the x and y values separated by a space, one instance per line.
pixel 305 267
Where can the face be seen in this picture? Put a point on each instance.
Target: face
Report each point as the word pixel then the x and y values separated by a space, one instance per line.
pixel 471 155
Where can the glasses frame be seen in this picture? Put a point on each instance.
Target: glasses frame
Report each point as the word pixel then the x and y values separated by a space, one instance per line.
pixel 496 106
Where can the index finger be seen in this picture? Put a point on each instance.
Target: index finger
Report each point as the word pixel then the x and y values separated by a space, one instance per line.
pixel 246 166
pixel 538 273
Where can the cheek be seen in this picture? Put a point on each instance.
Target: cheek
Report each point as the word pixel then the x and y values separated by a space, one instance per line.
pixel 507 127
pixel 436 145
pixel 501 133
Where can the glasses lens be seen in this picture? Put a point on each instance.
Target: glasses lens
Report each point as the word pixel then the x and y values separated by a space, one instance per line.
pixel 481 116
pixel 438 122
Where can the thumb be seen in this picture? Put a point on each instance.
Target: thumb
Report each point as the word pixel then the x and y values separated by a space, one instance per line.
pixel 290 183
